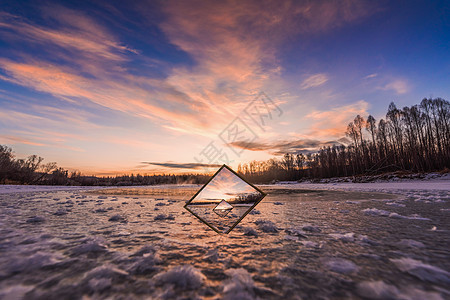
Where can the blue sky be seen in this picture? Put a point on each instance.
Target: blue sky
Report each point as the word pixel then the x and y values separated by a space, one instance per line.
pixel 101 87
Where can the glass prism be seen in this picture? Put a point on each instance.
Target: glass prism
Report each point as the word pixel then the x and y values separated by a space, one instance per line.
pixel 224 200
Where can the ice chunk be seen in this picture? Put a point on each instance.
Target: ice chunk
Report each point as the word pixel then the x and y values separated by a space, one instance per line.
pixel 145 250
pixel 239 286
pixel 162 217
pixel 254 212
pixel 146 264
pixel 375 212
pixel 411 243
pixel 395 204
pixel 309 244
pixel 379 290
pixel 346 237
pixel 15 292
pixel 311 228
pixel 99 285
pixel 249 231
pixel 341 265
pixel 89 247
pixel 422 271
pixel 266 226
pixel 117 218
pixel 33 262
pixel 36 219
pixel 185 277
pixel 296 232
pixel 410 217
pixel 60 212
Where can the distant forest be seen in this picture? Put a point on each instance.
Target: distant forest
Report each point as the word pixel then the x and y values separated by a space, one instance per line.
pixel 32 171
pixel 413 139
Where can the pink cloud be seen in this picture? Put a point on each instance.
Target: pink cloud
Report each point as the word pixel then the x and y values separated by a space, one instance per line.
pixel 314 81
pixel 399 86
pixel 10 139
pixel 333 123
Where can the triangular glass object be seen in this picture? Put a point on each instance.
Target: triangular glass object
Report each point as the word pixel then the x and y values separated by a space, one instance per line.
pixel 223 208
pixel 225 192
pixel 223 205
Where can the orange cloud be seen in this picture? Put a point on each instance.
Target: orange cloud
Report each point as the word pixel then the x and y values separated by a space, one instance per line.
pixel 10 139
pixel 399 86
pixel 333 123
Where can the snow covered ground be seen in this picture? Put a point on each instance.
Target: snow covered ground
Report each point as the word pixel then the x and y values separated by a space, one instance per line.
pixel 10 188
pixel 441 183
pixel 384 240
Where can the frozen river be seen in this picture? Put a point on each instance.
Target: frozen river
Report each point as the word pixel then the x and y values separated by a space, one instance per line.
pixel 302 242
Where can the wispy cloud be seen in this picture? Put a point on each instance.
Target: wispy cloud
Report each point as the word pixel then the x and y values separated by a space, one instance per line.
pixel 373 75
pixel 399 86
pixel 10 139
pixel 283 147
pixel 314 81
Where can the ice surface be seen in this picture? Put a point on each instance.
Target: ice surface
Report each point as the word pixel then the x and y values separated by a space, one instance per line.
pixel 389 258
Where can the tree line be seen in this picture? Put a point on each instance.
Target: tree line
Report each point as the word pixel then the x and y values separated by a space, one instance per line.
pixel 31 170
pixel 412 139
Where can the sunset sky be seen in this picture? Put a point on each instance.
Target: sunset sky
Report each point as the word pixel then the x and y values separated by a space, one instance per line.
pixel 113 87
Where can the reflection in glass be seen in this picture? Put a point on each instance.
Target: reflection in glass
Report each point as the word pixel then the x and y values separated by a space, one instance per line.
pixel 224 201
